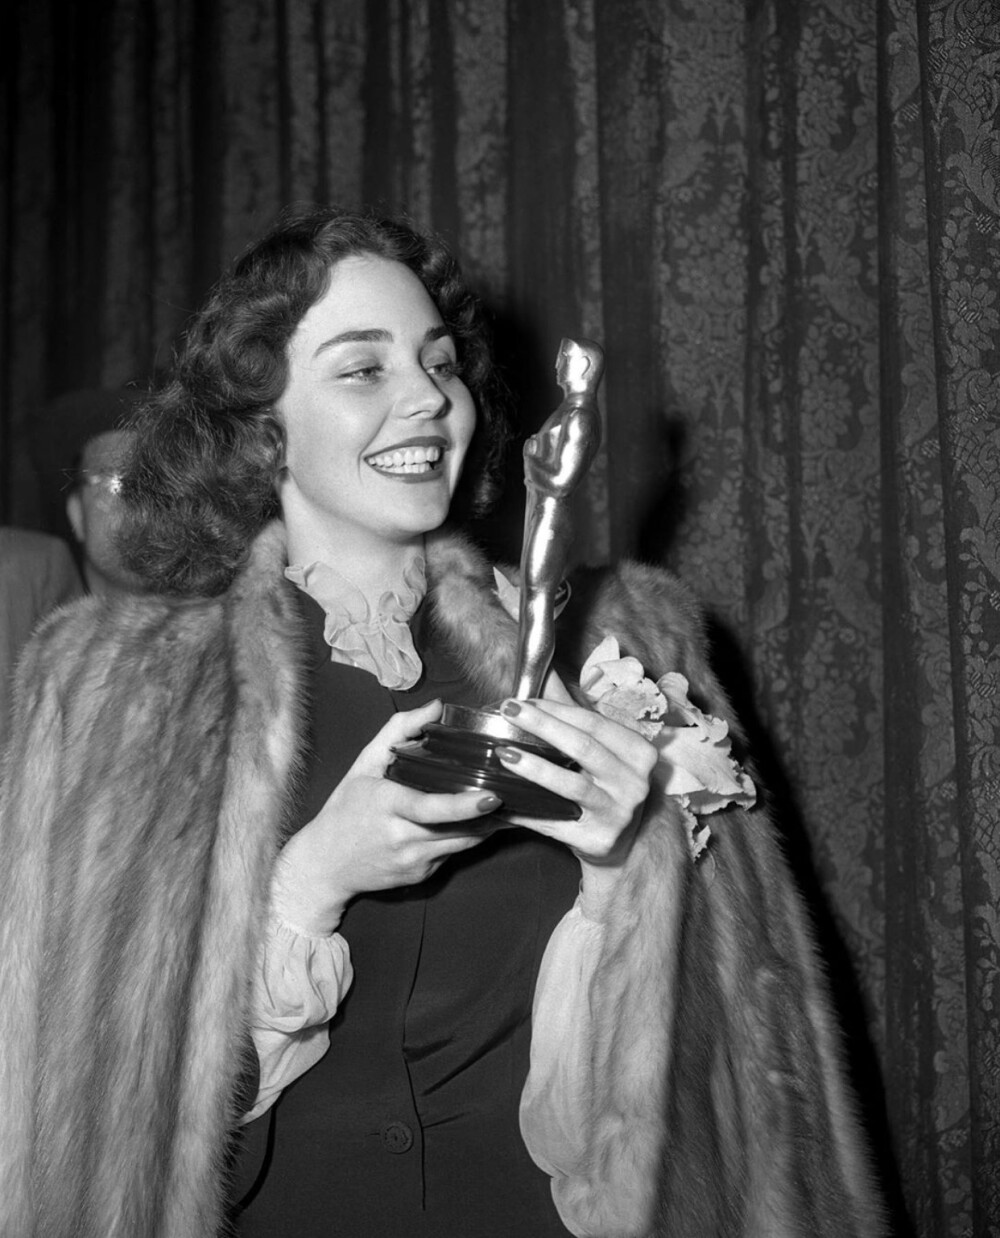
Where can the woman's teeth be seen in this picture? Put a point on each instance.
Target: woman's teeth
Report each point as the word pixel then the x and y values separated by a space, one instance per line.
pixel 407 460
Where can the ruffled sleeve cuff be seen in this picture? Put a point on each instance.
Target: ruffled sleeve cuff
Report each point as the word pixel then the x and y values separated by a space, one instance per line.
pixel 300 977
pixel 299 981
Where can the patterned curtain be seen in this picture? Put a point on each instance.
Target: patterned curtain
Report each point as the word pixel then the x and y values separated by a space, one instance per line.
pixel 782 220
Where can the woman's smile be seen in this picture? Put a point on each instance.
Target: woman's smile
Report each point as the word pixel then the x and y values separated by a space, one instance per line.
pixel 415 459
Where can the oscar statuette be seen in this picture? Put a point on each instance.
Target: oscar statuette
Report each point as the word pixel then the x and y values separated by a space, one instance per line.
pixel 459 752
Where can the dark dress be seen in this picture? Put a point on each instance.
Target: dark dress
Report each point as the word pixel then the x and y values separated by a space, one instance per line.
pixel 408 1125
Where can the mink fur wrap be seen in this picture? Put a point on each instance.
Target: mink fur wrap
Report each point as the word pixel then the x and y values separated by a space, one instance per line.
pixel 151 772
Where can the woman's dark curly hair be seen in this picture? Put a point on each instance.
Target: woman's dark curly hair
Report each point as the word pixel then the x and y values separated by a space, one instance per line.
pixel 201 482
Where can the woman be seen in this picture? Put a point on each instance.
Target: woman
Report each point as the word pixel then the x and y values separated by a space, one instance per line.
pixel 217 899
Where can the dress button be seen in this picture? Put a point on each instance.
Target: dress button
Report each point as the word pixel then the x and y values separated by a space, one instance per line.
pixel 396 1137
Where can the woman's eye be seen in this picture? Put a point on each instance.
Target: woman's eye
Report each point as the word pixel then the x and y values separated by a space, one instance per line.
pixel 447 367
pixel 361 371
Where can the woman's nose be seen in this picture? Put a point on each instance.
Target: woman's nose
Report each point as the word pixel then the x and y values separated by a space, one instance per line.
pixel 421 396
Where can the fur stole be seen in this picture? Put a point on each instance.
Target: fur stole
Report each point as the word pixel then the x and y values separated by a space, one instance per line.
pixel 719 1071
pixel 152 769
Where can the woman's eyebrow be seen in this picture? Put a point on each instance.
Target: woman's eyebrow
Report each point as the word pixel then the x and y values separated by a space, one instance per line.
pixel 376 335
pixel 370 335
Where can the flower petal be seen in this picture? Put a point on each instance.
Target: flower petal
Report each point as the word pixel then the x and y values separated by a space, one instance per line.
pixel 695 766
pixel 680 710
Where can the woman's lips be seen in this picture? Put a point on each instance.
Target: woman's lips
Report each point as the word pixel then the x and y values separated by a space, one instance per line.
pixel 412 460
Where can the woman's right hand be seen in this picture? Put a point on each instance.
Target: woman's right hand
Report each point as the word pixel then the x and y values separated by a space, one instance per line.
pixel 371 834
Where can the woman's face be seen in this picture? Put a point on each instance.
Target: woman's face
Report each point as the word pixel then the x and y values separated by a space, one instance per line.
pixel 377 421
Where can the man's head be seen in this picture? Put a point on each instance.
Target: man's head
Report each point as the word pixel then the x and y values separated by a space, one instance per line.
pixel 93 507
pixel 77 448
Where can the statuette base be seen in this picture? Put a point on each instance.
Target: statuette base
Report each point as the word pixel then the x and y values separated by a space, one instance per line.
pixel 459 753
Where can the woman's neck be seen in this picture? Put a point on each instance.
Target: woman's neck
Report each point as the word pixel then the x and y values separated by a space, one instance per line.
pixel 369 562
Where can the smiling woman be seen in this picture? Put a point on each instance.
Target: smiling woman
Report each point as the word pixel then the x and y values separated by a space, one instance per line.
pixel 374 403
pixel 262 988
pixel 212 442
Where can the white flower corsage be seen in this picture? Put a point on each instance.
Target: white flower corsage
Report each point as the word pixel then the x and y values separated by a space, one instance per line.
pixel 695 765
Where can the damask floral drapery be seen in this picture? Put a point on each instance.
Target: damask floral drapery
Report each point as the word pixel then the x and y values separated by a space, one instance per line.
pixel 782 220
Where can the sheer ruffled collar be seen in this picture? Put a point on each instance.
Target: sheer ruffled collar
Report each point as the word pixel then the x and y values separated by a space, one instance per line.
pixel 375 637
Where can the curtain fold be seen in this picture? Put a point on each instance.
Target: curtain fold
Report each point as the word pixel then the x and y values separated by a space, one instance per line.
pixel 782 221
pixel 959 55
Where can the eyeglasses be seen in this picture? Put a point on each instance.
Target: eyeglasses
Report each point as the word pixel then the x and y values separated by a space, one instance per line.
pixel 111 483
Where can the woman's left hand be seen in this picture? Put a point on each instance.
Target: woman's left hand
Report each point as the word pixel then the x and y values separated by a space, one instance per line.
pixel 611 785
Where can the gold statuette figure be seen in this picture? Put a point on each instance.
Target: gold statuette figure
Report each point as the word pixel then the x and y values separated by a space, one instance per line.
pixel 555 462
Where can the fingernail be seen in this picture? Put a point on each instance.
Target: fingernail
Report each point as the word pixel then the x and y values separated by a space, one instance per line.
pixel 510 708
pixel 489 802
pixel 510 755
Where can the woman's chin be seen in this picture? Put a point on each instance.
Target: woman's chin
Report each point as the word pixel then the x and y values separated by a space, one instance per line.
pixel 421 511
pixel 411 530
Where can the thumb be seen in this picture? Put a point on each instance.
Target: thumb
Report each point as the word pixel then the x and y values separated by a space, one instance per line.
pixel 407 724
